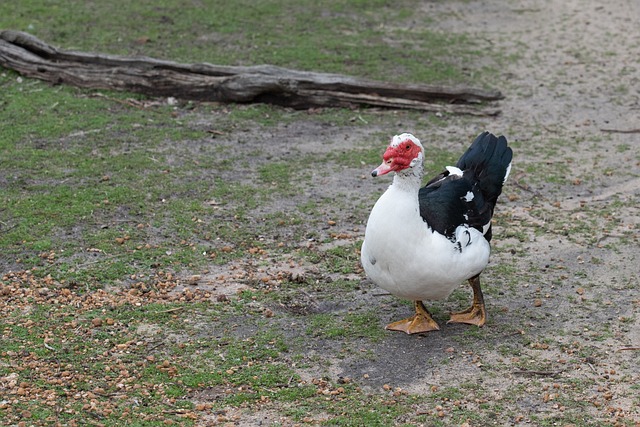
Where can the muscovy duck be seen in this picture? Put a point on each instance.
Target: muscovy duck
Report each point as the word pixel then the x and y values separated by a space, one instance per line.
pixel 422 242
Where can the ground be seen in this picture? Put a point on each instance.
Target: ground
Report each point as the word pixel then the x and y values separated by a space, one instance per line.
pixel 570 243
pixel 562 343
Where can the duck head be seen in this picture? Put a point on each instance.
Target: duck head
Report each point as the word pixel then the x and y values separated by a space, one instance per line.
pixel 404 153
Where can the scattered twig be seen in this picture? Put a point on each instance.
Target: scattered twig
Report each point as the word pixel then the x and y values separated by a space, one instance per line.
pixel 84 264
pixel 381 294
pixel 160 344
pixel 125 102
pixel 99 393
pixel 528 189
pixel 4 224
pixel 96 415
pixel 628 349
pixel 523 187
pixel 620 130
pixel 177 411
pixel 516 181
pixel 171 310
pixel 538 373
pixel 550 130
pixel 362 120
pixel 610 235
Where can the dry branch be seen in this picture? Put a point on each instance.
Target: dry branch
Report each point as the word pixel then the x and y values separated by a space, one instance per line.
pixel 620 130
pixel 32 57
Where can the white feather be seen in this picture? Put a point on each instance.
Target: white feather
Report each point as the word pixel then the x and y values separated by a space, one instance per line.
pixel 403 255
pixel 454 170
pixel 506 175
pixel 485 227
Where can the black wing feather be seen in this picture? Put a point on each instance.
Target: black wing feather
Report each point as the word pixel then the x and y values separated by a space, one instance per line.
pixel 443 205
pixel 487 158
pixel 444 201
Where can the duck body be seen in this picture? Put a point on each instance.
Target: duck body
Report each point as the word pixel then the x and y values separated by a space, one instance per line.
pixel 421 242
pixel 410 259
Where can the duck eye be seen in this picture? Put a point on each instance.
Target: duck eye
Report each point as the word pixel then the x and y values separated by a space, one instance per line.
pixel 408 147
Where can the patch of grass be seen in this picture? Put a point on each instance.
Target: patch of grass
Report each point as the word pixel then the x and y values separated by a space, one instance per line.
pixel 623 148
pixel 277 175
pixel 343 259
pixel 350 325
pixel 337 36
pixel 325 325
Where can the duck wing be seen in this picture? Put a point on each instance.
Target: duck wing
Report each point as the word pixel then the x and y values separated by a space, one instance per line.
pixel 451 200
pixel 467 194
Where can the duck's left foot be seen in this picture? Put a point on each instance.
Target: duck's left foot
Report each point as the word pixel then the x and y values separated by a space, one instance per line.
pixel 476 314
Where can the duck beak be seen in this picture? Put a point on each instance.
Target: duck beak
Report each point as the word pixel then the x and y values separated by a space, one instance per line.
pixel 383 169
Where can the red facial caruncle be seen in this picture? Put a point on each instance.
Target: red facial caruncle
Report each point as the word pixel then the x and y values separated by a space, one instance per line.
pixel 399 155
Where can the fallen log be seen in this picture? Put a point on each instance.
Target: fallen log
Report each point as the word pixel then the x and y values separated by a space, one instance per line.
pixel 32 57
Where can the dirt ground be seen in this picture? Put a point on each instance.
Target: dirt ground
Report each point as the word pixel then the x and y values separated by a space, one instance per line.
pixel 565 325
pixel 563 335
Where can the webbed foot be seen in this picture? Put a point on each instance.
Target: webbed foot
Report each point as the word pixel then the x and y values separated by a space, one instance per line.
pixel 418 323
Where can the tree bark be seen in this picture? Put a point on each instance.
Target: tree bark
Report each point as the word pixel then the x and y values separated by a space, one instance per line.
pixel 32 57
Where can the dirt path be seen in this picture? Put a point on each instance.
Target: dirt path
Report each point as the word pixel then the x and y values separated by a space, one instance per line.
pixel 576 68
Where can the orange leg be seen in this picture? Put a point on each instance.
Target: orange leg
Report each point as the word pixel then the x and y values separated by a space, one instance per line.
pixel 416 324
pixel 476 314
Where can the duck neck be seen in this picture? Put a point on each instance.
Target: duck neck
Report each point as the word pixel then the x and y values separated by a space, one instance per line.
pixel 409 179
